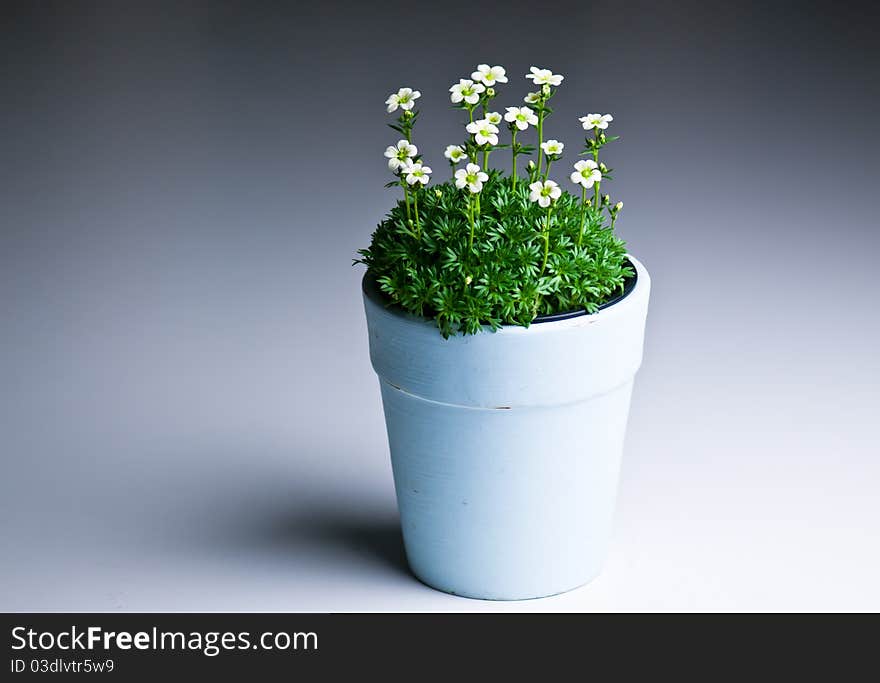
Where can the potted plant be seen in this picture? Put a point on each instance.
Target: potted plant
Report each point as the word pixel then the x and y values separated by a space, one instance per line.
pixel 506 323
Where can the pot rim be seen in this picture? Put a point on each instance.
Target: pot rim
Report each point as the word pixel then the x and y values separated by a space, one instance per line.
pixel 632 288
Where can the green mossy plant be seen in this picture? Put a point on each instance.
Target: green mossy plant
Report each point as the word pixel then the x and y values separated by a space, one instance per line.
pixel 486 249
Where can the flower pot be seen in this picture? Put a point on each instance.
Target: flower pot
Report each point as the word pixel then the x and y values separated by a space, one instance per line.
pixel 506 446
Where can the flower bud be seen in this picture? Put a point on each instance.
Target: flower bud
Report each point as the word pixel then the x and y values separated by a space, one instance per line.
pixel 545 89
pixel 602 138
pixel 490 92
pixel 439 193
pixel 618 206
pixel 531 164
pixel 606 199
pixel 468 280
pixel 603 167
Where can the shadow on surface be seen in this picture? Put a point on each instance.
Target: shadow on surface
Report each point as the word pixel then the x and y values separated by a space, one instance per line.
pixel 257 510
pixel 375 538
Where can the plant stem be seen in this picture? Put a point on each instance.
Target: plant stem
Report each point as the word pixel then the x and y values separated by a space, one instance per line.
pixel 406 196
pixel 547 173
pixel 596 159
pixel 471 220
pixel 546 239
pixel 583 213
pixel 540 137
pixel 513 150
pixel 472 153
pixel 416 207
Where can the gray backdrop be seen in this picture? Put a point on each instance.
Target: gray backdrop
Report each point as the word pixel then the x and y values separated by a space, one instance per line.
pixel 189 419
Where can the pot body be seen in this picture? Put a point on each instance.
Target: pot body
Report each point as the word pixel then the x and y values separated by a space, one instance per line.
pixel 506 446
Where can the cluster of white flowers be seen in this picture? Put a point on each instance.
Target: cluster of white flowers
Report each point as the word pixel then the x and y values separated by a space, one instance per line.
pixel 472 177
pixel 544 192
pixel 405 98
pixel 466 90
pixel 599 121
pixel 403 158
pixel 484 132
pixel 521 117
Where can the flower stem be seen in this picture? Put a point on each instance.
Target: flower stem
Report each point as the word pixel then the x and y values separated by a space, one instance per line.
pixel 406 197
pixel 540 137
pixel 596 159
pixel 513 150
pixel 416 207
pixel 583 213
pixel 547 173
pixel 471 220
pixel 546 239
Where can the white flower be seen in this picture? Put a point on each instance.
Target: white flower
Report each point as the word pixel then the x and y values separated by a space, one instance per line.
pixel 483 132
pixel 553 148
pixel 599 121
pixel 493 117
pixel 400 156
pixel 404 98
pixel 544 192
pixel 586 173
pixel 416 173
pixel 544 76
pixel 454 153
pixel 532 98
pixel 523 117
pixel 472 177
pixel 489 75
pixel 466 90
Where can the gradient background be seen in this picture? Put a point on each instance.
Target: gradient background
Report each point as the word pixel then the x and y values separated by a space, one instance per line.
pixel 189 420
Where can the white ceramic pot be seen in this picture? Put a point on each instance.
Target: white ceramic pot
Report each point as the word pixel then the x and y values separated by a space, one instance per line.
pixel 506 446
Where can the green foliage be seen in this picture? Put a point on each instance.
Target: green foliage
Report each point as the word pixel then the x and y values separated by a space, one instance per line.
pixel 499 281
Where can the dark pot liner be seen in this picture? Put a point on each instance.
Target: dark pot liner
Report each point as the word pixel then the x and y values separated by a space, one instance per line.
pixel 628 286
